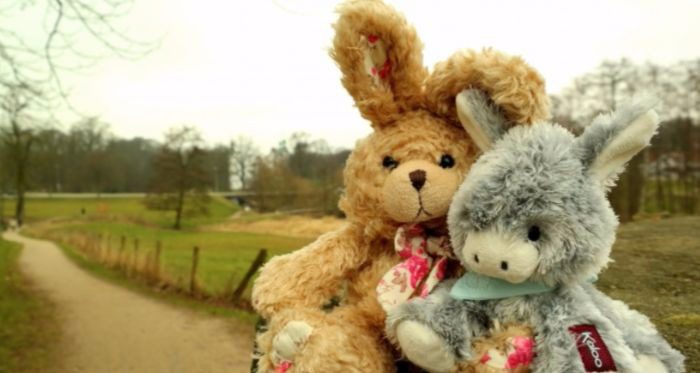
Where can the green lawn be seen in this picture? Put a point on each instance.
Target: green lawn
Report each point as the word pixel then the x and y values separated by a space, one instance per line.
pixel 656 271
pixel 224 256
pixel 129 209
pixel 27 324
pixel 216 307
pixel 657 197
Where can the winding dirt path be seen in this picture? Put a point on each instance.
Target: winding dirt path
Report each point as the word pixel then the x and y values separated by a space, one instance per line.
pixel 110 329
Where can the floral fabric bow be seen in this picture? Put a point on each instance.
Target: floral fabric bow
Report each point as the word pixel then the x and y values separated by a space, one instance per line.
pixel 423 267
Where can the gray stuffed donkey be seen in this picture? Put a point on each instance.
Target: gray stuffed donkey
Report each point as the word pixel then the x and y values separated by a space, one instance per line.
pixel 532 226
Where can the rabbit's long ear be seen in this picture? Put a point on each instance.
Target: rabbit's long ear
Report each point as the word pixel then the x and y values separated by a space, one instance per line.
pixel 480 118
pixel 513 85
pixel 610 141
pixel 380 57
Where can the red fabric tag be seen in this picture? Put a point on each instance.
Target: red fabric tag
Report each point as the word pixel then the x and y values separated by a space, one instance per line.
pixel 594 353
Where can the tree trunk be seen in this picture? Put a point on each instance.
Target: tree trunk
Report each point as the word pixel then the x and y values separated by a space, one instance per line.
pixel 180 207
pixel 635 185
pixel 242 176
pixel 19 207
pixel 660 201
pixel 670 195
pixel 619 199
pixel 19 189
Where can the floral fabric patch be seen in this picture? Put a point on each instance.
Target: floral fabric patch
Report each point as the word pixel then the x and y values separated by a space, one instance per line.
pixel 423 267
pixel 376 61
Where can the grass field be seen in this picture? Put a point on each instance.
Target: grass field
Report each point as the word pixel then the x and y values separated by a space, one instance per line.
pixel 224 256
pixel 676 197
pixel 125 209
pixel 28 324
pixel 657 272
pixel 117 277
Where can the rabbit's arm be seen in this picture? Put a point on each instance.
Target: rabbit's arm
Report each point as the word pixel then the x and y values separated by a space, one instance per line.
pixel 309 277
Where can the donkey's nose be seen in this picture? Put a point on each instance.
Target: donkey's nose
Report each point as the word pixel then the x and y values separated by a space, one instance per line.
pixel 417 179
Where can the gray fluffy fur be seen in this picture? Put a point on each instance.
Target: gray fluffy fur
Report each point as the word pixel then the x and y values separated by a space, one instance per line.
pixel 538 175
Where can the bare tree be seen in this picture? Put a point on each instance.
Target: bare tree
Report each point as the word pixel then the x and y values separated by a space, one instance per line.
pixel 88 141
pixel 89 134
pixel 61 36
pixel 180 179
pixel 49 164
pixel 76 34
pixel 620 78
pixel 244 154
pixel 18 137
pixel 603 90
pixel 219 165
pixel 612 79
pixel 693 89
pixel 675 154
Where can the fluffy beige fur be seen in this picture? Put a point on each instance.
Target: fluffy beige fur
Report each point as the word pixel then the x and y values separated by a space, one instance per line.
pixel 514 87
pixel 412 114
pixel 498 341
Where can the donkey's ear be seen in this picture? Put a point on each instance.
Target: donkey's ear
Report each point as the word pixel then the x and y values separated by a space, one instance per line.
pixel 610 141
pixel 380 57
pixel 481 119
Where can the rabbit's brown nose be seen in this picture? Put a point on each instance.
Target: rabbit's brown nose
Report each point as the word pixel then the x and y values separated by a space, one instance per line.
pixel 417 179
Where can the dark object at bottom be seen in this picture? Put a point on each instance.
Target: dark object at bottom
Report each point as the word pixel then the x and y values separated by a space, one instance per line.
pixel 403 366
pixel 260 327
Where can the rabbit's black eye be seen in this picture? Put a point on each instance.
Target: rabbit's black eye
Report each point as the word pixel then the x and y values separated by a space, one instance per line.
pixel 390 163
pixel 446 161
pixel 533 234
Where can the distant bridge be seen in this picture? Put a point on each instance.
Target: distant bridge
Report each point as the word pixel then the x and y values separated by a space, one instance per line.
pixel 243 197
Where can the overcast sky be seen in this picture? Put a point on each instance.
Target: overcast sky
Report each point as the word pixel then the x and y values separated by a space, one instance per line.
pixel 261 68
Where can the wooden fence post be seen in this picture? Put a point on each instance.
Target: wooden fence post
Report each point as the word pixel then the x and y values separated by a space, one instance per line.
pixel 93 246
pixel 120 257
pixel 135 261
pixel 193 273
pixel 259 260
pixel 99 247
pixel 156 262
pixel 108 253
pixel 89 245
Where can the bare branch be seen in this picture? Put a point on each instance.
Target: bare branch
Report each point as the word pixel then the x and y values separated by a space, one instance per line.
pixel 79 33
pixel 49 40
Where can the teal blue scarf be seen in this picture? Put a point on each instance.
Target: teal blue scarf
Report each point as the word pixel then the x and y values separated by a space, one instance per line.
pixel 473 286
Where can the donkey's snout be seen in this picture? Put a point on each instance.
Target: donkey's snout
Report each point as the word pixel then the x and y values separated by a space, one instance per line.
pixel 417 178
pixel 495 255
pixel 491 263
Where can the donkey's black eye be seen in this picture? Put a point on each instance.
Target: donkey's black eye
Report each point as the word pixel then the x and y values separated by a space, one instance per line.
pixel 446 161
pixel 390 163
pixel 533 234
